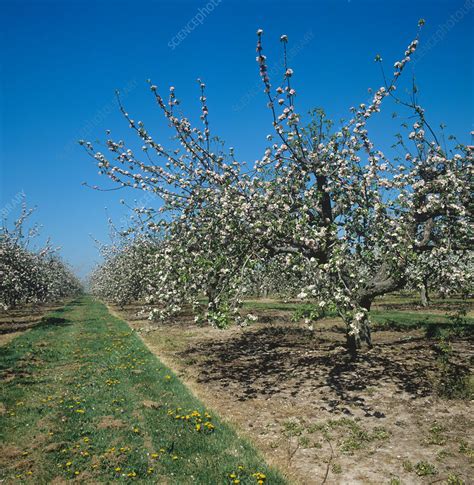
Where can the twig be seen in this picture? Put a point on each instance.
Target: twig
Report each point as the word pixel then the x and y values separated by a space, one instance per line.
pixel 329 461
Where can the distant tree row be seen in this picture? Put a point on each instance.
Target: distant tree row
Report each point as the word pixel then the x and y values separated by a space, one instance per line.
pixel 31 276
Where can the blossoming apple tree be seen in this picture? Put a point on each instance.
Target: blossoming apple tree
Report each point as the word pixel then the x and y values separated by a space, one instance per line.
pixel 362 217
pixel 359 222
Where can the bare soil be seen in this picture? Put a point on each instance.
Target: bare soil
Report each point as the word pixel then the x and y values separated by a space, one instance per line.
pixel 109 422
pixel 315 414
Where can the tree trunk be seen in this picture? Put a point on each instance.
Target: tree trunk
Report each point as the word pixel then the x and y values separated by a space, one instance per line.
pixel 355 337
pixel 424 297
pixel 211 294
pixel 353 345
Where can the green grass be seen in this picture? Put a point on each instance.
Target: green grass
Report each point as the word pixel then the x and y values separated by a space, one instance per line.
pixel 410 319
pixel 435 324
pixel 84 399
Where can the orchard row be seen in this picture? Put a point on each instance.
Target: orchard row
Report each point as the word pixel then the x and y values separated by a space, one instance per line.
pixel 31 276
pixel 324 212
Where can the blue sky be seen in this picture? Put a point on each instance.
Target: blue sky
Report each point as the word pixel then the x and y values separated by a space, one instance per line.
pixel 61 62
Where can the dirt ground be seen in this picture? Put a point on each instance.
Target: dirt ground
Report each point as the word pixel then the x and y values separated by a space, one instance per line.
pixel 314 414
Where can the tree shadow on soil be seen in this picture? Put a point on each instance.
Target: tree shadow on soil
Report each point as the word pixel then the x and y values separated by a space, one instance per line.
pixel 44 322
pixel 53 322
pixel 22 368
pixel 289 362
